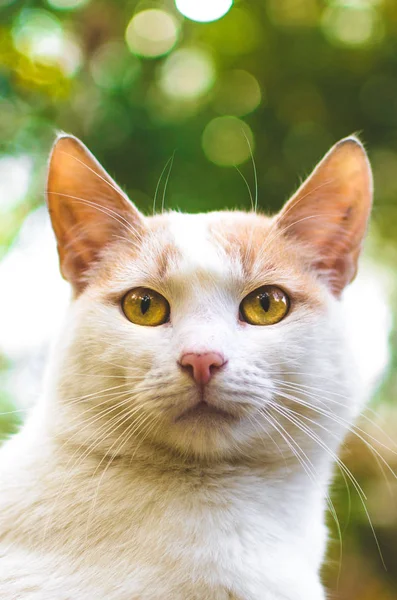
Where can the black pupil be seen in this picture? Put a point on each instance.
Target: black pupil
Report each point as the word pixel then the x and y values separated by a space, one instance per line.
pixel 264 300
pixel 145 304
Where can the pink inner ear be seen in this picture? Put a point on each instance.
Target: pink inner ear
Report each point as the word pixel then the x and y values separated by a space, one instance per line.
pixel 330 211
pixel 87 208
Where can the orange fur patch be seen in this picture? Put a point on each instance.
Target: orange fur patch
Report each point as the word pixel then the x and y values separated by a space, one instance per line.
pixel 266 255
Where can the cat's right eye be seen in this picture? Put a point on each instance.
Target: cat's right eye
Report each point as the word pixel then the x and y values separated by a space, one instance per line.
pixel 143 306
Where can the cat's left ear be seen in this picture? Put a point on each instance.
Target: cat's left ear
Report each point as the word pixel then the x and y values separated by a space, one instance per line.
pixel 88 210
pixel 329 213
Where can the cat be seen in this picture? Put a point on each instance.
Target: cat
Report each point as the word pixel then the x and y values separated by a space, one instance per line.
pixel 195 400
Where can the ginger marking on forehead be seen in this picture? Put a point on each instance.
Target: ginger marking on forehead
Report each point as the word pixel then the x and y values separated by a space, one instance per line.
pixel 167 256
pixel 266 257
pixel 161 246
pixel 243 236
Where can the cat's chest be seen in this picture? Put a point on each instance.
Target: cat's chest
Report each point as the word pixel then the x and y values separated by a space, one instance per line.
pixel 214 540
pixel 212 523
pixel 217 546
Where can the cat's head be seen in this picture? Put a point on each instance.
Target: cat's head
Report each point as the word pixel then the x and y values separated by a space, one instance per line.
pixel 213 334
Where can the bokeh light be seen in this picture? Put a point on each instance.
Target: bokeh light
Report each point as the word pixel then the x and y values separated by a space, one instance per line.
pixel 227 141
pixel 203 11
pixel 70 57
pixel 357 24
pixel 67 4
pixel 187 74
pixel 40 36
pixel 151 33
pixel 167 110
pixel 238 93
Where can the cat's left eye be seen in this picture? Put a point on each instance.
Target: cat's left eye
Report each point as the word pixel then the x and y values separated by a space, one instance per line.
pixel 143 306
pixel 265 306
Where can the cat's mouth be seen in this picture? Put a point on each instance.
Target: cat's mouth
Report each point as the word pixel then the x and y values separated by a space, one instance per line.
pixel 202 410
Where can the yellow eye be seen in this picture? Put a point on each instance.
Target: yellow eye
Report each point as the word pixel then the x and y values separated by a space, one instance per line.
pixel 265 306
pixel 145 307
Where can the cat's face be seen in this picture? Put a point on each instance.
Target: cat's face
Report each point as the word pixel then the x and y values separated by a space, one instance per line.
pixel 195 362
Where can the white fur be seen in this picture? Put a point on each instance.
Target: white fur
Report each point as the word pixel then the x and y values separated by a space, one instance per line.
pixel 185 511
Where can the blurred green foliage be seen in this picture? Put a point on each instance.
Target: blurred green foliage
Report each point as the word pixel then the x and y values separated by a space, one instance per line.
pixel 287 77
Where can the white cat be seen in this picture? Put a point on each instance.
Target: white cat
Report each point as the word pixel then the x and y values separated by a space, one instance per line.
pixel 196 399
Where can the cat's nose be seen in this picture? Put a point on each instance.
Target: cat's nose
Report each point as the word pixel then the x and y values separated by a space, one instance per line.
pixel 202 366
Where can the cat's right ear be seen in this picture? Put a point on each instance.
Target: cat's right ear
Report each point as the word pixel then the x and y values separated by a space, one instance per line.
pixel 87 208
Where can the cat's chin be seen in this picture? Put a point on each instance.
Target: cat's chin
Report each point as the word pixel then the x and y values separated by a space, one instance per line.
pixel 205 428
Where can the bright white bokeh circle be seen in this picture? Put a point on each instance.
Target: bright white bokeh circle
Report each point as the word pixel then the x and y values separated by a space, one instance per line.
pixel 188 73
pixel 203 11
pixel 151 33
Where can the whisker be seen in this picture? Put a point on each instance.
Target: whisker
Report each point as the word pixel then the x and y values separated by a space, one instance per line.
pixel 111 185
pixel 309 469
pixel 254 169
pixel 303 389
pixel 128 433
pixel 340 464
pixel 346 424
pixel 107 429
pixel 166 181
pixel 158 184
pixel 105 210
pixel 248 187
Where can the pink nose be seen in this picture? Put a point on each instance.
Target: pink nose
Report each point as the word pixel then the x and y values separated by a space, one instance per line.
pixel 202 366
